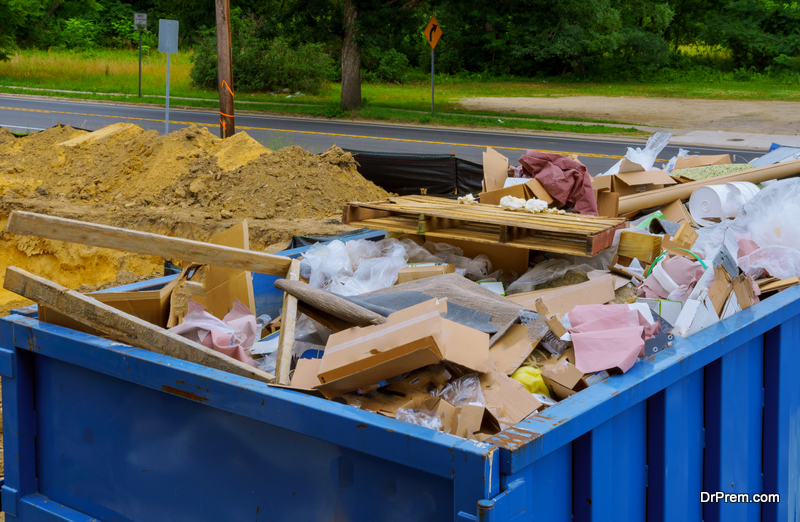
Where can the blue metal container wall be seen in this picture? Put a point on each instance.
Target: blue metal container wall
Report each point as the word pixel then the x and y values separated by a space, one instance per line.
pixel 99 429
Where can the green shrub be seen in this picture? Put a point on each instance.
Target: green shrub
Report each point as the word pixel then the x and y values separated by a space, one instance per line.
pixel 261 64
pixel 78 33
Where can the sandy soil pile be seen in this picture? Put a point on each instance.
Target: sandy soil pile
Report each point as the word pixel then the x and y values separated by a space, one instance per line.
pixel 187 184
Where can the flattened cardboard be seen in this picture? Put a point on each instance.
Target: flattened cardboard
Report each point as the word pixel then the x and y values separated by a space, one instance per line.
pixel 743 288
pixel 558 391
pixel 421 272
pixel 511 350
pixel 495 169
pixel 772 286
pixel 552 320
pixel 528 190
pixel 563 372
pixel 305 373
pixel 469 419
pixel 410 339
pixel 594 291
pixel 720 289
pixel 629 166
pixel 702 161
pixel 507 400
pixel 677 213
pixel 223 285
pixel 684 238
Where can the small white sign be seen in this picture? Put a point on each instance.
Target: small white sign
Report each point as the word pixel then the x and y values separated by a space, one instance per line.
pixel 140 21
pixel 167 36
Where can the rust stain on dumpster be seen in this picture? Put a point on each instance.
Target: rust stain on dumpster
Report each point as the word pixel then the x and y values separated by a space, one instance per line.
pixel 183 393
pixel 514 438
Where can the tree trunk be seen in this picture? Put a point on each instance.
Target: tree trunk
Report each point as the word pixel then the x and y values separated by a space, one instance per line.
pixel 351 60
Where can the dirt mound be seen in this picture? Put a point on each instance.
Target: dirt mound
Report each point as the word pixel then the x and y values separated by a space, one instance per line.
pixel 188 183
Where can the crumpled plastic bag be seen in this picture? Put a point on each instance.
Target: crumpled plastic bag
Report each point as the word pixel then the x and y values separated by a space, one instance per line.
pixel 645 157
pixel 767 222
pixel 464 390
pixel 234 334
pixel 425 418
pixel 670 166
pixel 477 268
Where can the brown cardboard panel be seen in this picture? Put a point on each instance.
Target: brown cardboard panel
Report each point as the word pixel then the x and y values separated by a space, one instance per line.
pixel 508 259
pixel 702 161
pixel 629 166
pixel 635 182
pixel 506 399
pixel 528 190
pixel 743 288
pixel 150 305
pixel 410 339
pixel 677 213
pixel 563 372
pixel 561 301
pixel 779 285
pixel 223 285
pixel 558 391
pixel 720 288
pixel 509 352
pixel 495 169
pixel 305 374
pixel 469 419
pixel 529 298
pixel 421 272
pixel 607 203
pixel 684 238
pixel 634 244
pixel 552 320
pixel 601 183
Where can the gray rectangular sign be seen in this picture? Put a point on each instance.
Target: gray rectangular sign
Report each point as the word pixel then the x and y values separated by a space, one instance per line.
pixel 167 36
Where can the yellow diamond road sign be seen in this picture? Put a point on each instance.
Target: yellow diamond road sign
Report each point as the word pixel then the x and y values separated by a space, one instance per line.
pixel 433 32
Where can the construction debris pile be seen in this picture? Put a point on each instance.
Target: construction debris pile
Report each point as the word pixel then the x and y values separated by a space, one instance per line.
pixel 188 183
pixel 472 314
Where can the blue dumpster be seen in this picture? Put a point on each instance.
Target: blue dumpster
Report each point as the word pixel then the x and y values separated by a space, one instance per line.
pixel 98 430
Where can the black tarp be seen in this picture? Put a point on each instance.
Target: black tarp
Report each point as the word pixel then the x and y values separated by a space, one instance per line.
pixel 406 174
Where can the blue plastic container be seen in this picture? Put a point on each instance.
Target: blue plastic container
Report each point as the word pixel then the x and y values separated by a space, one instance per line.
pixel 99 430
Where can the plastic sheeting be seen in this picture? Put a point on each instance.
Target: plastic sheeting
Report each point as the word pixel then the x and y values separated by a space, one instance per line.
pixel 406 174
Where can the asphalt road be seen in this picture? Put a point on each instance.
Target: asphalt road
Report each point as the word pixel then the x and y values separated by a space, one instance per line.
pixel 30 113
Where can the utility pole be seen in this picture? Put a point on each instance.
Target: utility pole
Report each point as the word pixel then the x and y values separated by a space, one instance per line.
pixel 224 68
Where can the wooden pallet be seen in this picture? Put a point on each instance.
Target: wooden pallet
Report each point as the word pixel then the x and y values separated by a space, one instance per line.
pixel 442 218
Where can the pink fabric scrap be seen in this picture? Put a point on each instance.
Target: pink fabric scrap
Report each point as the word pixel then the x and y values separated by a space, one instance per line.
pixel 684 271
pixel 566 180
pixel 608 336
pixel 234 334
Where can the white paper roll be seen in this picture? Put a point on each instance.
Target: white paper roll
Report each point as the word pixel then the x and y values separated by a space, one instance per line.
pixel 720 201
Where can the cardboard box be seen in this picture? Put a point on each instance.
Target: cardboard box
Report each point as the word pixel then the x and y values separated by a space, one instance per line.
pixel 677 213
pixel 528 190
pixel 702 161
pixel 421 271
pixel 626 184
pixel 151 305
pixel 562 300
pixel 563 378
pixel 410 339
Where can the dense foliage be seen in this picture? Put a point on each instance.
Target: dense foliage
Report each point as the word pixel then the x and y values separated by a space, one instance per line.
pixel 297 43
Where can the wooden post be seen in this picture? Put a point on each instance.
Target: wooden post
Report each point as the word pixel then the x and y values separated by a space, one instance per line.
pixel 286 337
pixel 224 69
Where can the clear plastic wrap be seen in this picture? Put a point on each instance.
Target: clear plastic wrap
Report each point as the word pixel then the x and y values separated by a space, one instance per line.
pixel 670 166
pixel 645 157
pixel 544 272
pixel 476 269
pixel 425 418
pixel 464 390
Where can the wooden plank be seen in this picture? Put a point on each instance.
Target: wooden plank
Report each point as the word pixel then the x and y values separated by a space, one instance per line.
pixel 779 285
pixel 73 231
pixel 283 363
pixel 122 326
pixel 644 247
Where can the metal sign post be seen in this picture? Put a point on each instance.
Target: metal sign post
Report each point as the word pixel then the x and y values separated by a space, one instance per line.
pixel 140 24
pixel 432 34
pixel 167 43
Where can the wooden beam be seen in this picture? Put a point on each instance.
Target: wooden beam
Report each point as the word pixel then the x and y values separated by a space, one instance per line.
pixel 121 326
pixel 283 363
pixel 73 231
